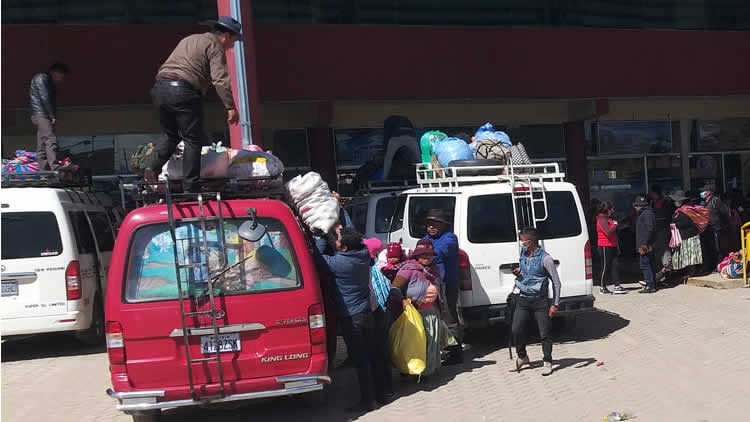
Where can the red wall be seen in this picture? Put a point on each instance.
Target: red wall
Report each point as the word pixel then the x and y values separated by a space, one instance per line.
pixel 115 64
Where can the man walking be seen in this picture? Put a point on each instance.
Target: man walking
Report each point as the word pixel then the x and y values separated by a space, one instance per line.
pixel 717 226
pixel 537 268
pixel 445 244
pixel 181 83
pixel 43 102
pixel 645 231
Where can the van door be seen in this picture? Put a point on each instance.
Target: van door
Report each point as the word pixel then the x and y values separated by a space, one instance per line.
pixel 88 257
pixel 105 242
pixel 33 265
pixel 263 306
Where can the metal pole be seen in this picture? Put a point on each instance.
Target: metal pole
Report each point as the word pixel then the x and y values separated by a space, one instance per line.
pixel 645 172
pixel 239 60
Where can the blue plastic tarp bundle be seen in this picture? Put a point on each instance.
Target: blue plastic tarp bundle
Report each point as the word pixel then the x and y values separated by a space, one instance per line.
pixel 451 149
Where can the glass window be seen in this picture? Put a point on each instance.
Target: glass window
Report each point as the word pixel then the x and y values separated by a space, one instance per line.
pixel 540 141
pixel 384 213
pixel 491 217
pixel 358 214
pixel 255 267
pixel 355 147
pixel 617 180
pixel 722 135
pixel 666 172
pixel 102 231
pixel 82 231
pixel 30 235
pixel 290 145
pixel 90 152
pixel 398 215
pixel 420 205
pixel 706 169
pixel 635 137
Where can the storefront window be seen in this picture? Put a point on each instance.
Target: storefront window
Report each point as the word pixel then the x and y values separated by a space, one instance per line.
pixel 290 145
pixel 722 135
pixel 665 172
pixel 617 180
pixel 540 141
pixel 90 152
pixel 355 147
pixel 706 169
pixel 634 137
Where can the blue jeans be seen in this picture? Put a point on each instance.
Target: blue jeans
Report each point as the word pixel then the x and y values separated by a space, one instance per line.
pixel 647 270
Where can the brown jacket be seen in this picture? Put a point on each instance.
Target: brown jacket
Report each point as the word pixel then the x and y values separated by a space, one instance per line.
pixel 200 60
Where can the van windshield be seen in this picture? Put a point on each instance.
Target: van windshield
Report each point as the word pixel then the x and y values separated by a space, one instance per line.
pixel 255 267
pixel 30 235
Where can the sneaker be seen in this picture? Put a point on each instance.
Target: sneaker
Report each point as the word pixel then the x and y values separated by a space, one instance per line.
pixel 520 363
pixel 605 291
pixel 647 290
pixel 642 283
pixel 547 370
pixel 619 290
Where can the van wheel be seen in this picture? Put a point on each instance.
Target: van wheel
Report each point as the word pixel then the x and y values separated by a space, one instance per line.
pixel 94 336
pixel 151 416
pixel 316 399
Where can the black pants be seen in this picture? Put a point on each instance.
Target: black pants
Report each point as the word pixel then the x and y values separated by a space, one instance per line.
pixel 359 329
pixel 380 361
pixel 527 308
pixel 181 118
pixel 711 240
pixel 610 267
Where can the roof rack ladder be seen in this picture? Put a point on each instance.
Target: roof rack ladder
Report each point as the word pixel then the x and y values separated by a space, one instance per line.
pixel 522 187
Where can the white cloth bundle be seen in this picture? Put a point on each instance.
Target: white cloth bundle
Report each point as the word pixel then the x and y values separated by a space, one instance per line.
pixel 314 201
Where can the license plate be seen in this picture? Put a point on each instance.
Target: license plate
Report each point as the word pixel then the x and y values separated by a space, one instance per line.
pixel 227 343
pixel 10 288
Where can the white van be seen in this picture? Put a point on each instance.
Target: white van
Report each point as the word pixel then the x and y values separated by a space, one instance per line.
pixel 56 248
pixel 479 201
pixel 371 210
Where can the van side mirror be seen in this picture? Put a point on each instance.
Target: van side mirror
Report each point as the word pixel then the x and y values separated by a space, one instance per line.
pixel 251 230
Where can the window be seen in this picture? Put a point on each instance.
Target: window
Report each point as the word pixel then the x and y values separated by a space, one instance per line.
pixel 540 141
pixel 102 231
pixel 290 145
pixel 30 235
pixel 358 214
pixel 82 232
pixel 419 206
pixel 255 267
pixel 635 137
pixel 490 217
pixel 384 213
pixel 355 147
pixel 722 135
pixel 397 223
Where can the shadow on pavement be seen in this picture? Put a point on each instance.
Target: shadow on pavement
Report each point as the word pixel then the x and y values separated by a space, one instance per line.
pixel 594 325
pixel 43 346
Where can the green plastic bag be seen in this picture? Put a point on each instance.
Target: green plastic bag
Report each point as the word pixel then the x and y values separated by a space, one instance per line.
pixel 427 142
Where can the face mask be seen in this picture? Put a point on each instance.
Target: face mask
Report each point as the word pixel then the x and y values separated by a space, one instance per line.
pixel 703 195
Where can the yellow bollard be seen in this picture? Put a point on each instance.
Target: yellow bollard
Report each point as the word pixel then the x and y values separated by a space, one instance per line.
pixel 745 239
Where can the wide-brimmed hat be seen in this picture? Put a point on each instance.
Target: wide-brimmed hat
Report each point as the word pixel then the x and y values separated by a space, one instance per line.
pixel 677 196
pixel 424 247
pixel 436 215
pixel 231 24
pixel 640 201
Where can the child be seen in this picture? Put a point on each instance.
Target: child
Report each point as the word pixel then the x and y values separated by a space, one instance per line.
pixel 395 259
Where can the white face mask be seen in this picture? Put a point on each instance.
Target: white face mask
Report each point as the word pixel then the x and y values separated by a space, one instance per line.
pixel 522 244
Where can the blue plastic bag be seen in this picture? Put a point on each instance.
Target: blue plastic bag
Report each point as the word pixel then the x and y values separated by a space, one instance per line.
pixel 450 149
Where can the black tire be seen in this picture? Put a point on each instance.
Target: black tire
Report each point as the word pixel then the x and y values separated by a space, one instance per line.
pixel 150 416
pixel 94 335
pixel 476 163
pixel 316 399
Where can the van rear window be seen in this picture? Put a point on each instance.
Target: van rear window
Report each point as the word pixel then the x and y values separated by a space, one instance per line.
pixel 30 235
pixel 419 206
pixel 255 267
pixel 491 217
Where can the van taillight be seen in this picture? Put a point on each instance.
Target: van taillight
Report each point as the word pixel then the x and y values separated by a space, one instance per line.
pixel 115 343
pixel 464 271
pixel 73 281
pixel 587 256
pixel 317 324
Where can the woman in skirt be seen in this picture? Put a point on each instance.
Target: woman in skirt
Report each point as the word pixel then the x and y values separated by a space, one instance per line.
pixel 690 221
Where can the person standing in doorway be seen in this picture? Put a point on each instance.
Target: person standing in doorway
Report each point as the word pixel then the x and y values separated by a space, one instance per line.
pixel 536 269
pixel 645 230
pixel 445 244
pixel 606 235
pixel 717 227
pixel 663 210
pixel 43 103
pixel 181 83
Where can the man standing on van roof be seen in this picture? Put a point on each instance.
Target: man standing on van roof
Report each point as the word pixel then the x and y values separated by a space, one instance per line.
pixel 445 244
pixel 181 83
pixel 536 268
pixel 43 103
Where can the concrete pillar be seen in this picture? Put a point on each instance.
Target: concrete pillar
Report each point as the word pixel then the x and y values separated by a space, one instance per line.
pixel 575 151
pixel 235 131
pixel 686 131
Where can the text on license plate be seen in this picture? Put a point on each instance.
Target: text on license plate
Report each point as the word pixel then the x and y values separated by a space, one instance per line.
pixel 10 288
pixel 227 343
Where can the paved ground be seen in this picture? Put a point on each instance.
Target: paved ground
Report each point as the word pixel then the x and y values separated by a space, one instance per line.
pixel 678 355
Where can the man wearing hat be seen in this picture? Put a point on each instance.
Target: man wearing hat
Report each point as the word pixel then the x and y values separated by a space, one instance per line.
pixel 717 227
pixel 181 83
pixel 645 230
pixel 445 244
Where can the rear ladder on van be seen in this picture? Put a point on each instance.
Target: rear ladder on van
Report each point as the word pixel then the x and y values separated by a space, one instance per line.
pixel 527 190
pixel 202 267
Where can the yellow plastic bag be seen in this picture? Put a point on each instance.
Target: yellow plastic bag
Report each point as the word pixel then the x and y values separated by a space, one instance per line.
pixel 408 342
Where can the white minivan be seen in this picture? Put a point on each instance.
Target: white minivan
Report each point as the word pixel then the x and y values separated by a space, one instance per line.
pixel 371 209
pixel 56 249
pixel 479 201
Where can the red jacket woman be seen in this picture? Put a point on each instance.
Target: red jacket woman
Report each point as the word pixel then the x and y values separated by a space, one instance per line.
pixel 606 233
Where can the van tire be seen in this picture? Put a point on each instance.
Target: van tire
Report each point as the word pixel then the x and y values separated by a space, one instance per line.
pixel 316 399
pixel 150 416
pixel 94 335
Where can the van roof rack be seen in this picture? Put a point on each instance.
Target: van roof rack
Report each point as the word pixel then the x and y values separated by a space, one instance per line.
pixel 145 193
pixel 80 178
pixel 388 185
pixel 430 177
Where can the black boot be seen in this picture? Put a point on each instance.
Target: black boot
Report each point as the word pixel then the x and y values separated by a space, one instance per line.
pixel 455 355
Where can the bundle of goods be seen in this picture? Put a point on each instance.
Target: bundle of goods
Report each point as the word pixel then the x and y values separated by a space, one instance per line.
pixel 451 149
pixel 732 266
pixel 314 202
pixel 488 143
pixel 22 162
pixel 427 142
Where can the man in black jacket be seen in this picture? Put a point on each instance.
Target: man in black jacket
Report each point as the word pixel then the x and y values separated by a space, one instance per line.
pixel 717 227
pixel 645 230
pixel 43 103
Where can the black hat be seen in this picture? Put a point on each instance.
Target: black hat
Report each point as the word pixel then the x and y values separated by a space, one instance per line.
pixel 640 201
pixel 437 215
pixel 231 24
pixel 708 187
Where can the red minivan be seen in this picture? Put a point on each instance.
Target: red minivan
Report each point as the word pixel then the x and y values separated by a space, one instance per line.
pixel 267 307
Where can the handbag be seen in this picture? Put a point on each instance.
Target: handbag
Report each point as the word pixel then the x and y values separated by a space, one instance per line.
pixel 676 240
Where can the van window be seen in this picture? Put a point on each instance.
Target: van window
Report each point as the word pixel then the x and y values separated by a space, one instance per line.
pixel 358 214
pixel 420 205
pixel 397 222
pixel 257 267
pixel 490 217
pixel 30 235
pixel 102 231
pixel 384 213
pixel 82 232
